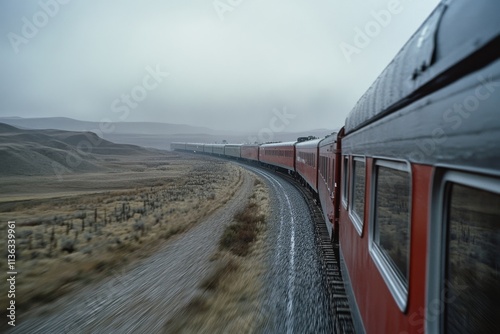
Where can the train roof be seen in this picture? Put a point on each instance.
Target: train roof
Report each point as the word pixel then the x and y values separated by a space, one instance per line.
pixel 445 48
pixel 309 143
pixel 284 144
pixel 329 139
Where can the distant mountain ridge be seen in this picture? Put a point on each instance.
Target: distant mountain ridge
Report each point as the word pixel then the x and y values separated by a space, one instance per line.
pixel 70 124
pixel 46 152
pixel 157 135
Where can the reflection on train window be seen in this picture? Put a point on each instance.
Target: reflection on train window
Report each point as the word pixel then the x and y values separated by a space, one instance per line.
pixel 331 169
pixel 392 216
pixel 473 265
pixel 345 176
pixel 358 193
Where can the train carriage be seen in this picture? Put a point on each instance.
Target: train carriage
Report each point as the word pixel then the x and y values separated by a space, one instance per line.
pixel 420 197
pixel 218 149
pixel 178 146
pixel 250 152
pixel 232 150
pixel 194 147
pixel 281 155
pixel 328 189
pixel 306 162
pixel 208 148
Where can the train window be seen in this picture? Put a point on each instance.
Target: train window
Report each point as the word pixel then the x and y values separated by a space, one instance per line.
pixel 345 177
pixel 325 167
pixel 390 225
pixel 322 168
pixel 463 289
pixel 331 169
pixel 472 264
pixel 357 208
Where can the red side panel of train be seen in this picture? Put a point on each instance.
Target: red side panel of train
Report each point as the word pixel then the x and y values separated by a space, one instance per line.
pixel 278 154
pixel 384 305
pixel 420 189
pixel 327 181
pixel 250 152
pixel 306 163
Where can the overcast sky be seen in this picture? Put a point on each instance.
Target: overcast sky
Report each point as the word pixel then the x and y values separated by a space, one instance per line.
pixel 223 64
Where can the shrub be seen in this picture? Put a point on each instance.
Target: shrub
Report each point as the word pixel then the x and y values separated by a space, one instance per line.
pixel 67 245
pixel 239 236
pixel 139 226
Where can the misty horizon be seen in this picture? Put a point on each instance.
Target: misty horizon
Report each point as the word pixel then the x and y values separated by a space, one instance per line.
pixel 208 64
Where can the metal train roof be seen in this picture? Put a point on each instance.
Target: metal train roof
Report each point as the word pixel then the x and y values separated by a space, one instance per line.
pixel 284 144
pixel 446 47
pixel 329 139
pixel 309 144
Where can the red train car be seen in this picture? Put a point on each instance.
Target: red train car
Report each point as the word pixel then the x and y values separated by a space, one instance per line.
pixel 306 162
pixel 278 154
pixel 250 152
pixel 328 189
pixel 420 193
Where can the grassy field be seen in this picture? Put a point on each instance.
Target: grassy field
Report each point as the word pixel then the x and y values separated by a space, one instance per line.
pixel 230 299
pixel 77 231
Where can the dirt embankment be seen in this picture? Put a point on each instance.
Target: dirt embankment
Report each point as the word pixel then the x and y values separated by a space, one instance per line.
pixel 230 299
pixel 144 298
pixel 65 243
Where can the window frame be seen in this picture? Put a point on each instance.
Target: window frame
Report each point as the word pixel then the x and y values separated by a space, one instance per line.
pixel 345 182
pixel 331 176
pixel 357 221
pixel 438 231
pixel 392 278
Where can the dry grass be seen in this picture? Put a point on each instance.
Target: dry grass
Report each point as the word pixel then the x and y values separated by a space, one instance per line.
pixel 238 237
pixel 230 298
pixel 66 242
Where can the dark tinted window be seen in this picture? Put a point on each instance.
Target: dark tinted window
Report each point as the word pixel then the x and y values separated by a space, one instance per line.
pixel 331 173
pixel 358 188
pixel 345 177
pixel 472 284
pixel 392 216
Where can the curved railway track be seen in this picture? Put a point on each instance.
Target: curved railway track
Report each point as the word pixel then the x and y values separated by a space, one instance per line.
pixel 328 255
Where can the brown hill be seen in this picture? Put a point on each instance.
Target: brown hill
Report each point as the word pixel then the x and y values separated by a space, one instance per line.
pixel 46 152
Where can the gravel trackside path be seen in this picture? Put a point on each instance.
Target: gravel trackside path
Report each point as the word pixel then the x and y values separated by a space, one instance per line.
pixel 142 300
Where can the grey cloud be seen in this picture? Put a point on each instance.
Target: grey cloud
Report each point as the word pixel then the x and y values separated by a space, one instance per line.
pixel 224 74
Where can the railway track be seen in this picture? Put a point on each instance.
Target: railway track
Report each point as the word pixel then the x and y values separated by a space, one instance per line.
pixel 329 255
